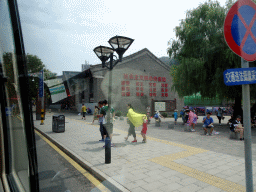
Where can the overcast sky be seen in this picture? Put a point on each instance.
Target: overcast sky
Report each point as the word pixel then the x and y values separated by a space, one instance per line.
pixel 63 33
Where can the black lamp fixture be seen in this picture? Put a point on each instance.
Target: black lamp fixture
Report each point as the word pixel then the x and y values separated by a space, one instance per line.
pixel 103 53
pixel 119 44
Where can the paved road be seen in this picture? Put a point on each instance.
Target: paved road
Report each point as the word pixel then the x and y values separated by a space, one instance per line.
pixel 56 173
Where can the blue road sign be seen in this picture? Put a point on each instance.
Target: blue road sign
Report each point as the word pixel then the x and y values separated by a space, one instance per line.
pixel 240 76
pixel 41 84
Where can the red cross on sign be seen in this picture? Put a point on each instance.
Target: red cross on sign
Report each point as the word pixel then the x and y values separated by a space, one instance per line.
pixel 240 29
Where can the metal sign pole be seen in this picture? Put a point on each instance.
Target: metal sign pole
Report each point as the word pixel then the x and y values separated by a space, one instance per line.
pixel 247 132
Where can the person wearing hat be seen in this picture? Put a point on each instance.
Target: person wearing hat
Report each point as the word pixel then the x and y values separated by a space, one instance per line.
pixel 236 126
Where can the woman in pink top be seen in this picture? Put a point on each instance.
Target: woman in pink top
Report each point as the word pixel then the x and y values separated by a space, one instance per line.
pixel 192 120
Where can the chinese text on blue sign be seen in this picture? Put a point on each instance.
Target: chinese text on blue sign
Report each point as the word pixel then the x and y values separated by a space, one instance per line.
pixel 240 76
pixel 41 84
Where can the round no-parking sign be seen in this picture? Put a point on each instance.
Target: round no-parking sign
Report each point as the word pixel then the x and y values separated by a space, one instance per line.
pixel 240 29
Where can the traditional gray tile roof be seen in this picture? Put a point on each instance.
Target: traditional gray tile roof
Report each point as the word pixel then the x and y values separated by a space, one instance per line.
pixel 98 67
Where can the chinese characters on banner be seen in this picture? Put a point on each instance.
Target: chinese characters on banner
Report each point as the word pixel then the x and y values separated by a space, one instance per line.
pixel 125 85
pixel 240 76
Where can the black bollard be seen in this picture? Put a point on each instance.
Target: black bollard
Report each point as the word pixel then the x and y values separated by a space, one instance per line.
pixel 107 150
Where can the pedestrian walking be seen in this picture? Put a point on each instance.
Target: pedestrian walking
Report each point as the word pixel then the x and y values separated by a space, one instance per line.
pixel 175 116
pixel 108 125
pixel 95 113
pixel 83 111
pixel 135 120
pixel 148 114
pixel 100 105
pixel 219 115
pixel 144 130
pixel 183 113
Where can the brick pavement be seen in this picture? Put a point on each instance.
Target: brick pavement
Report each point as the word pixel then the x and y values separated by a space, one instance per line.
pixel 173 160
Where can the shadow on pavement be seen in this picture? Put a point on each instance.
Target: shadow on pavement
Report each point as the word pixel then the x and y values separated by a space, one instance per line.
pixel 91 142
pixel 95 149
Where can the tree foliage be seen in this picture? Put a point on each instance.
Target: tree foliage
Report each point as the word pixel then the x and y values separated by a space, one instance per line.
pixel 203 54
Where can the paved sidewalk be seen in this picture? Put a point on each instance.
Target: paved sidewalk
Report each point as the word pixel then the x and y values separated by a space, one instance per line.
pixel 171 160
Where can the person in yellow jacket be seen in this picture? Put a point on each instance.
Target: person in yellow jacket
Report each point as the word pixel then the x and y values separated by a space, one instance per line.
pixel 84 112
pixel 135 120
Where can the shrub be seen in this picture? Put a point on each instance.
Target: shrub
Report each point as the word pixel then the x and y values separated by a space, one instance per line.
pixel 118 113
pixel 164 114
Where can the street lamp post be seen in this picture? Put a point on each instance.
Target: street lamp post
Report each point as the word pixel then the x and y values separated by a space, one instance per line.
pixel 119 45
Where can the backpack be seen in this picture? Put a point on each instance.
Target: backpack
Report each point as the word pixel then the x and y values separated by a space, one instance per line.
pixel 181 112
pixel 156 116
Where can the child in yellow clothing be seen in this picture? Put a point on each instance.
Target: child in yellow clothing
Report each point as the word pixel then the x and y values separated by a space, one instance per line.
pixel 83 111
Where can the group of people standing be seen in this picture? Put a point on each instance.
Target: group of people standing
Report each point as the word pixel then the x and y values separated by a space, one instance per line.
pixel 106 123
pixel 135 120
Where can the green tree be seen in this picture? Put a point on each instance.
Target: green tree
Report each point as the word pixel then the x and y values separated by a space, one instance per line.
pixel 203 55
pixel 34 66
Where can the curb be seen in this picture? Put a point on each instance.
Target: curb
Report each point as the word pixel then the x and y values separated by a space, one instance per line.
pixel 111 184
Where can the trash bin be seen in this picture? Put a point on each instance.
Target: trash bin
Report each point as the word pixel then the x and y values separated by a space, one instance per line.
pixel 58 123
